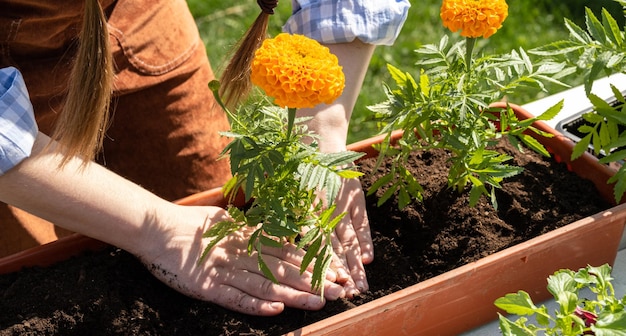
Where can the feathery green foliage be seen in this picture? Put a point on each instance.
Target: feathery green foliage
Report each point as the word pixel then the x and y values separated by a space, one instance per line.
pixel 596 51
pixel 448 107
pixel 281 177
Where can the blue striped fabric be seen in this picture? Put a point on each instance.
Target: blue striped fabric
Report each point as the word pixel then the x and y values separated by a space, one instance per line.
pixel 18 128
pixel 338 21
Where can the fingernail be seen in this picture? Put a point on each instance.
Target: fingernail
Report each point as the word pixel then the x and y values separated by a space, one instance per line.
pixel 342 274
pixel 335 292
pixel 315 301
pixel 277 305
pixel 361 286
pixel 352 293
pixel 331 275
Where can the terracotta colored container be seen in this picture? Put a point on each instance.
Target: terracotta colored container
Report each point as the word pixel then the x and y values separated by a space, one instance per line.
pixel 458 300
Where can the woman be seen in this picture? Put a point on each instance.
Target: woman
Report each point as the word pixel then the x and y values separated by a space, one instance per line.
pixel 163 136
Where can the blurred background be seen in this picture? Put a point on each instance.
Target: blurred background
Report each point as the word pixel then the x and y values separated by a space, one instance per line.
pixel 531 23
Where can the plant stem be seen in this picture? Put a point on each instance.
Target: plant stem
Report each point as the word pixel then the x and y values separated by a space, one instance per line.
pixel 469 50
pixel 291 116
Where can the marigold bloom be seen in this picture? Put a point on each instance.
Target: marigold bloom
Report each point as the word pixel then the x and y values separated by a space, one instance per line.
pixel 474 18
pixel 297 71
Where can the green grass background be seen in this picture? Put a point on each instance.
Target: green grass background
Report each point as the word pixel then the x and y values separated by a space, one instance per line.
pixel 530 23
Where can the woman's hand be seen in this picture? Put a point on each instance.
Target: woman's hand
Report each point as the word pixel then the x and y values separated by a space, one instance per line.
pixel 228 276
pixel 352 241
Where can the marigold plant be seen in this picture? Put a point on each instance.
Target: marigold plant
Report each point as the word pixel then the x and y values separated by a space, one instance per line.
pixel 446 105
pixel 297 71
pixel 280 174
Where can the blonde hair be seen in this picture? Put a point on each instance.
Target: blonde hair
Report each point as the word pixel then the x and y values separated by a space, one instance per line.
pixel 83 121
pixel 235 80
pixel 81 126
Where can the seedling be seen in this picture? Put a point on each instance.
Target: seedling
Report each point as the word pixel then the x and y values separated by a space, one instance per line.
pixel 601 314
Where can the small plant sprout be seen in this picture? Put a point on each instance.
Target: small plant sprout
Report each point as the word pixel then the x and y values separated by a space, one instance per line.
pixel 601 315
pixel 275 161
pixel 446 104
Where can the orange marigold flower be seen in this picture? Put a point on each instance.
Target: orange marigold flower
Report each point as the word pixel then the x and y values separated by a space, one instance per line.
pixel 297 71
pixel 474 18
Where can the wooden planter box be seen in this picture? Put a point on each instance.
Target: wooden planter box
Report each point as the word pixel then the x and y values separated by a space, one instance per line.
pixel 453 302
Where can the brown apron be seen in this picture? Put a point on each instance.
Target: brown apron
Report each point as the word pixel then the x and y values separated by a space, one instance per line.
pixel 164 133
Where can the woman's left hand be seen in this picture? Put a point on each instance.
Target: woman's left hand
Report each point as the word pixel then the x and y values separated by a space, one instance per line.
pixel 352 240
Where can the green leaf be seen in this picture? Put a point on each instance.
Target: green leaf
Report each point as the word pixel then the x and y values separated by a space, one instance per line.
pixel 380 182
pixel 598 103
pixel 387 194
pixel 477 157
pixel 319 270
pixel 613 115
pixel 594 26
pixel 326 214
pixel 317 178
pixel 397 75
pixel 413 186
pixel 404 198
pixel 551 112
pixel 620 183
pixel 276 157
pixel 267 165
pixel 269 242
pixel 611 27
pixel 561 281
pixel 311 253
pixel 610 324
pixel 332 184
pixel 602 274
pixel 527 62
pixel 581 147
pixel 349 174
pixel 249 187
pixel 307 238
pixel 534 144
pixel 424 84
pixel 339 158
pixel 605 137
pixel 230 185
pixel 557 48
pixel 443 42
pixel 618 95
pixel 518 303
pixel 567 301
pixel 266 270
pixel 509 328
pixel 599 64
pixel 330 225
pixel 577 33
pixel 542 316
pixel 475 192
pixel 614 157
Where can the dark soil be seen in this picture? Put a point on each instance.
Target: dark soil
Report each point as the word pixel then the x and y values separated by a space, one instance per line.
pixel 111 293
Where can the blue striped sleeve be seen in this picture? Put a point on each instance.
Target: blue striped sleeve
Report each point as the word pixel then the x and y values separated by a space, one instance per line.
pixel 338 21
pixel 18 127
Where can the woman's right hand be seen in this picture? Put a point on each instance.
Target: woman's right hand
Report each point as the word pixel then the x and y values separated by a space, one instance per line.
pixel 228 275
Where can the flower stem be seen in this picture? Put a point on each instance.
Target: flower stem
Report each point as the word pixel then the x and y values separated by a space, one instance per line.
pixel 291 116
pixel 469 50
